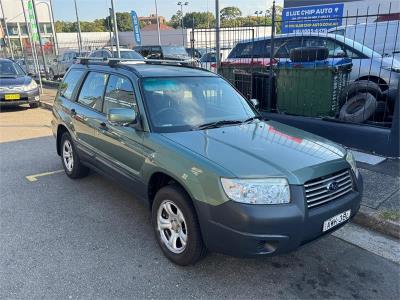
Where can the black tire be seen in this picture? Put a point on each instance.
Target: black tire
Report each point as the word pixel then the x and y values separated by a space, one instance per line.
pixel 195 248
pixel 78 170
pixel 34 105
pixel 390 96
pixel 358 108
pixel 308 54
pixel 357 87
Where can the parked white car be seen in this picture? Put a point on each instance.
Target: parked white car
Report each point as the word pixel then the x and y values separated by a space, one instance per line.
pixel 382 37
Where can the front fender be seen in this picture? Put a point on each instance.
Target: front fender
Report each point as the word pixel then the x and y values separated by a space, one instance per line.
pixel 198 176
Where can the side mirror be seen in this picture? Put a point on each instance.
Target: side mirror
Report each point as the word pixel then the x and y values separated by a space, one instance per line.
pixel 255 103
pixel 122 116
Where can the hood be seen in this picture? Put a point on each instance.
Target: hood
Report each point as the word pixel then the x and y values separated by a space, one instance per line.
pixel 264 149
pixel 390 62
pixel 10 81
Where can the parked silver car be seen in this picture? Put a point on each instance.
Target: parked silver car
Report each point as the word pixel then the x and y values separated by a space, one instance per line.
pixel 59 66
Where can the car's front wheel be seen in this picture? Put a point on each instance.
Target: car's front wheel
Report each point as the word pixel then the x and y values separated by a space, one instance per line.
pixel 70 160
pixel 176 226
pixel 34 104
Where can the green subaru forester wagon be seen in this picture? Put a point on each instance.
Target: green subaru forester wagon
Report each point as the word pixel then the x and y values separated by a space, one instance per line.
pixel 214 173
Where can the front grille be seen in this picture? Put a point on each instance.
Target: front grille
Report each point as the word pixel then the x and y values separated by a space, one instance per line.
pixel 317 191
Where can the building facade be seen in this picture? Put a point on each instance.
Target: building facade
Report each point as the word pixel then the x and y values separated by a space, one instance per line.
pixel 15 29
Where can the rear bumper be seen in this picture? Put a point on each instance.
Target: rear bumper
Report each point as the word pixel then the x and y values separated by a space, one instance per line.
pixel 252 230
pixel 25 98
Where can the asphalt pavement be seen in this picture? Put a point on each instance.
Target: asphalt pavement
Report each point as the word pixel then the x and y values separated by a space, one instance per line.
pixel 89 238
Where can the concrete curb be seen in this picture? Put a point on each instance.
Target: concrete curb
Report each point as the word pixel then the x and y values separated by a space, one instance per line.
pixel 370 218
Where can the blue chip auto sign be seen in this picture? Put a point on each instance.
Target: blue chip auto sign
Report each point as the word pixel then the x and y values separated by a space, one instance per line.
pixel 136 28
pixel 311 19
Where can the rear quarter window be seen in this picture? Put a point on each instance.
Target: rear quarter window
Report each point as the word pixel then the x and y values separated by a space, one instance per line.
pixel 69 83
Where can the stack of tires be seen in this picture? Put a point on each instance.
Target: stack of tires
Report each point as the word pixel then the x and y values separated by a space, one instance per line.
pixel 364 100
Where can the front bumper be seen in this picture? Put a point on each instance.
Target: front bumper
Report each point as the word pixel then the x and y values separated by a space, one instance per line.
pixel 251 230
pixel 32 96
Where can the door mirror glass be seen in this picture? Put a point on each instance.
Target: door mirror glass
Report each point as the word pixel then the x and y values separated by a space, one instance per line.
pixel 121 115
pixel 255 103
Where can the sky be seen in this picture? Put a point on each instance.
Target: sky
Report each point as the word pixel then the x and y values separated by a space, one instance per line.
pixel 94 9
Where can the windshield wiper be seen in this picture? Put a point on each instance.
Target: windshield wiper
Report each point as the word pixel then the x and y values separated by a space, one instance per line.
pixel 252 119
pixel 217 124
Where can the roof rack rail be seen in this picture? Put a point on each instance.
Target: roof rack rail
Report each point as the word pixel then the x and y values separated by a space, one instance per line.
pixel 113 61
pixel 84 60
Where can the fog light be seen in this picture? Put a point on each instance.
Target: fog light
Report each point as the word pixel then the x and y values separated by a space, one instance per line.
pixel 37 98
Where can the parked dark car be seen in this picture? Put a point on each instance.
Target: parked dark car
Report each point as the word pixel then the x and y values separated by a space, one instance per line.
pixel 213 172
pixel 16 87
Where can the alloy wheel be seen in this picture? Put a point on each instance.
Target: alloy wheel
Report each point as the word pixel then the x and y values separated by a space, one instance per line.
pixel 171 225
pixel 68 155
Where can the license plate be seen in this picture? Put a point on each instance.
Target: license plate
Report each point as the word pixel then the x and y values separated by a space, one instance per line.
pixel 336 220
pixel 12 97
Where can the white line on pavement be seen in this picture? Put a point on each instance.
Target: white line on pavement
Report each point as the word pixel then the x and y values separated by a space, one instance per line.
pixel 371 241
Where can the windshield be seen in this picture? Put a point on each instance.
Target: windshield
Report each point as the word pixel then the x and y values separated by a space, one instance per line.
pixel 129 54
pixel 10 68
pixel 184 103
pixel 174 51
pixel 357 46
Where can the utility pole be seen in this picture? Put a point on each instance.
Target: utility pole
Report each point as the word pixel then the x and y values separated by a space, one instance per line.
pixel 79 29
pixel 115 28
pixel 271 70
pixel 53 28
pixel 158 24
pixel 181 4
pixel 33 48
pixel 6 31
pixel 110 26
pixel 40 39
pixel 217 37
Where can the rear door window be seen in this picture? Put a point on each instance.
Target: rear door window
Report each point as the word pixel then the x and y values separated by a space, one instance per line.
pixel 119 94
pixel 92 91
pixel 71 80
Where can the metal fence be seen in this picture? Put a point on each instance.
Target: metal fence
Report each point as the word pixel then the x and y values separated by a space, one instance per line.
pixel 348 74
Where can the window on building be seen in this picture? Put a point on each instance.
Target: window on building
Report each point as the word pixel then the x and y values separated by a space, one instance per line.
pixel 48 28
pixel 23 28
pixel 12 28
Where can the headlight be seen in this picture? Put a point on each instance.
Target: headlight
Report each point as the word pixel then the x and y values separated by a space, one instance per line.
pixel 352 161
pixel 257 191
pixel 32 85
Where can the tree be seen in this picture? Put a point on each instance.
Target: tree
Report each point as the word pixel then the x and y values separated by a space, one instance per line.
pixel 230 13
pixel 198 19
pixel 175 21
pixel 124 21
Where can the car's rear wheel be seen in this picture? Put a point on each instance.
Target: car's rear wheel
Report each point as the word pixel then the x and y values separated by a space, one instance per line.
pixel 176 226
pixel 70 160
